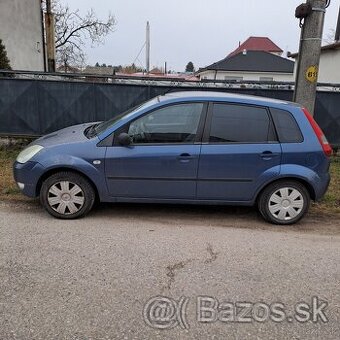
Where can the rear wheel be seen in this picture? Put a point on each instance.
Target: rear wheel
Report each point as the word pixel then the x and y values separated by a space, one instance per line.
pixel 284 202
pixel 67 195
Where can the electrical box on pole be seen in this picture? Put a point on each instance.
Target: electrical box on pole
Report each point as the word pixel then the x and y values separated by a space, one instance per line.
pixel 311 15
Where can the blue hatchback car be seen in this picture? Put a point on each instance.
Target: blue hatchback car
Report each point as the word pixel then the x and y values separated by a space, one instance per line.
pixel 184 147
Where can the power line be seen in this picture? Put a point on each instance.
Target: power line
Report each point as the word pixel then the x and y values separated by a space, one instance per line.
pixel 137 58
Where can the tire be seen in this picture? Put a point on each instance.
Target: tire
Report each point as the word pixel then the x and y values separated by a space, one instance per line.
pixel 284 202
pixel 67 195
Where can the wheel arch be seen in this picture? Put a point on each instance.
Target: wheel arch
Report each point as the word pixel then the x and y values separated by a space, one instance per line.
pixel 302 181
pixel 54 171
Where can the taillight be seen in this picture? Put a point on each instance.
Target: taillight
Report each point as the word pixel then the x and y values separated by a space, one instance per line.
pixel 321 136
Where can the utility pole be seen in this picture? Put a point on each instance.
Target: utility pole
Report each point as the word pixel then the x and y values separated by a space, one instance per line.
pixel 337 32
pixel 147 47
pixel 50 37
pixel 313 14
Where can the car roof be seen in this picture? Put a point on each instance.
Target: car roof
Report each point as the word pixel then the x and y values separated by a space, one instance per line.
pixel 222 96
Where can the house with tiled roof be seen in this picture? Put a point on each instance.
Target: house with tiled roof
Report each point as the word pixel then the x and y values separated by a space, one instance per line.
pixel 263 44
pixel 260 61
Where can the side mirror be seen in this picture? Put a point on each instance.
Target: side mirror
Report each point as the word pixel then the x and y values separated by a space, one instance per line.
pixel 124 139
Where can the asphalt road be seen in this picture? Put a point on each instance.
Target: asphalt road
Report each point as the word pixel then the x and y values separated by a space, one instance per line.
pixel 96 278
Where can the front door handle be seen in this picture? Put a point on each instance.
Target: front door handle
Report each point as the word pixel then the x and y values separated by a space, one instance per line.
pixel 185 157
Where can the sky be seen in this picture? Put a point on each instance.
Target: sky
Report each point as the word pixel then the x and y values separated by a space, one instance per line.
pixel 200 31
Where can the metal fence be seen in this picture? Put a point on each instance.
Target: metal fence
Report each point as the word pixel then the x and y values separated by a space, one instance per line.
pixel 33 107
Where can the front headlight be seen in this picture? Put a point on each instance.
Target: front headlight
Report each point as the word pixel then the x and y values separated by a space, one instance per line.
pixel 26 154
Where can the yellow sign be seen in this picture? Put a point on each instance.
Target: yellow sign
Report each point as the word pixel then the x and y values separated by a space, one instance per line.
pixel 312 74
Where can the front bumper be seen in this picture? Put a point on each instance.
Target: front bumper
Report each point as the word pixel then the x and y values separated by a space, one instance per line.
pixel 27 177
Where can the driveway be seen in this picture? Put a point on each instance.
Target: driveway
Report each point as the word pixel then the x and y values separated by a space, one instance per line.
pixel 167 272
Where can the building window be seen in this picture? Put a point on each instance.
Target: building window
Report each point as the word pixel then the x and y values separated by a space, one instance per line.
pixel 266 79
pixel 233 78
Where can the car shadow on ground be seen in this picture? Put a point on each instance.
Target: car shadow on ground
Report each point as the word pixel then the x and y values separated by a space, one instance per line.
pixel 186 212
pixel 213 216
pixel 179 215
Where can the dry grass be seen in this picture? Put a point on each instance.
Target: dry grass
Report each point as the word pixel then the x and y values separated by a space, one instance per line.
pixel 9 191
pixel 331 202
pixel 8 188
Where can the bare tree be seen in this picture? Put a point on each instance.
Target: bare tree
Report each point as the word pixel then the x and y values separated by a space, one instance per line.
pixel 73 30
pixel 70 58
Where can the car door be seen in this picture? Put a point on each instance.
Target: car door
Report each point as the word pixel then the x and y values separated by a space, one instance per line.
pixel 162 160
pixel 240 151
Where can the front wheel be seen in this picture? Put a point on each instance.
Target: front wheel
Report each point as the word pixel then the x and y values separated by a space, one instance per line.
pixel 67 195
pixel 284 202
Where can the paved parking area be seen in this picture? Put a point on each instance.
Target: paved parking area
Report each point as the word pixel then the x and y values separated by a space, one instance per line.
pixel 98 277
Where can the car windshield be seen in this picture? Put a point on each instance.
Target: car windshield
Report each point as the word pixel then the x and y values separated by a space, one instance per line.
pixel 107 124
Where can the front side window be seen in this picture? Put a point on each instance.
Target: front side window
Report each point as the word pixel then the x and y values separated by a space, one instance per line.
pixel 171 124
pixel 99 128
pixel 240 124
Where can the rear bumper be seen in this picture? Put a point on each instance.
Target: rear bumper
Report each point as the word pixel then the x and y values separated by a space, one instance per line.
pixel 322 186
pixel 27 177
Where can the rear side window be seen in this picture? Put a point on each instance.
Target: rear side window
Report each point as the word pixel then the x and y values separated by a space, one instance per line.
pixel 286 126
pixel 240 124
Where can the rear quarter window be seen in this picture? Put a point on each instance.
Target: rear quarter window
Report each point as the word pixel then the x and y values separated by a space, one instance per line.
pixel 286 126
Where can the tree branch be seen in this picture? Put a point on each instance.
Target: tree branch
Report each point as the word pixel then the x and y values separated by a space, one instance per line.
pixel 72 33
pixel 72 30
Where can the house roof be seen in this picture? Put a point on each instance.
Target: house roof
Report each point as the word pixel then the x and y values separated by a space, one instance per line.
pixel 170 76
pixel 257 44
pixel 68 68
pixel 156 70
pixel 99 70
pixel 334 46
pixel 155 73
pixel 253 61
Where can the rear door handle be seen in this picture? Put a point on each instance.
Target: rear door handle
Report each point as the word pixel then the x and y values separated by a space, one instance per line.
pixel 269 154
